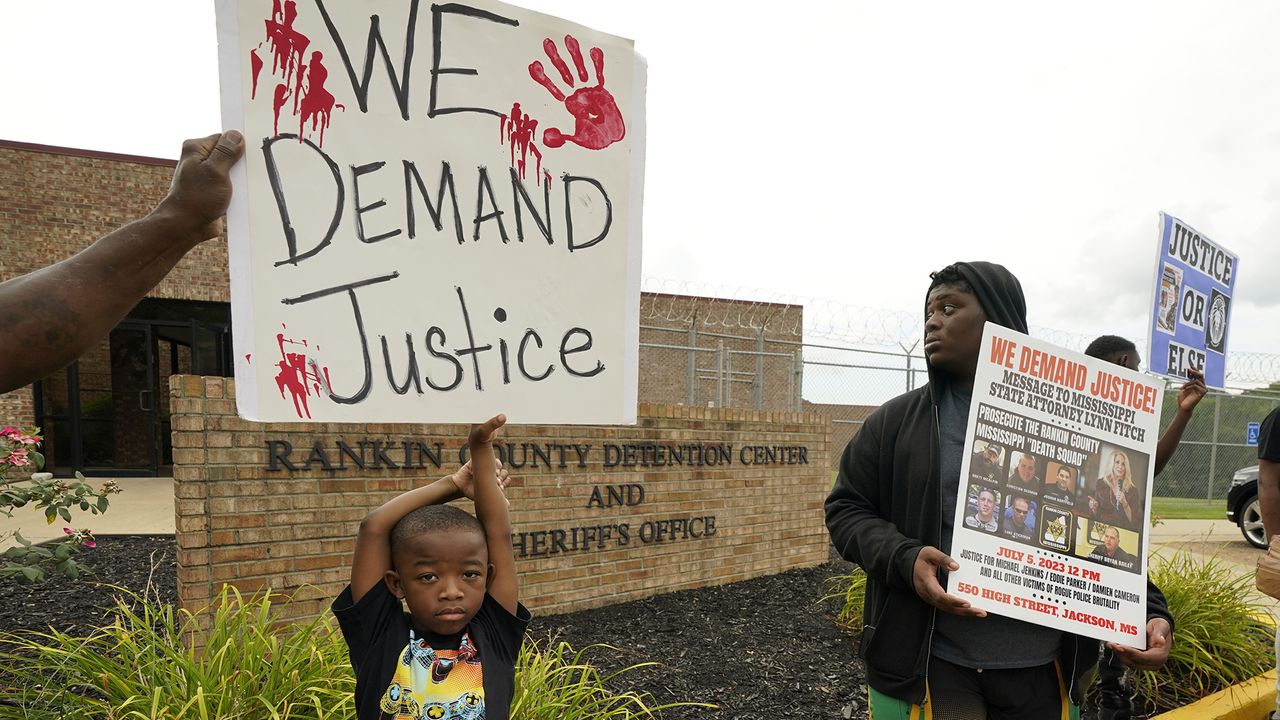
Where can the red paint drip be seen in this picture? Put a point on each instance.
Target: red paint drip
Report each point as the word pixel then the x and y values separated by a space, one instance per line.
pixel 295 377
pixel 248 357
pixel 299 81
pixel 255 61
pixel 519 132
pixel 317 102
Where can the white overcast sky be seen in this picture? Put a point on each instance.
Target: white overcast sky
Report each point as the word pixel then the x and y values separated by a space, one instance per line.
pixel 838 150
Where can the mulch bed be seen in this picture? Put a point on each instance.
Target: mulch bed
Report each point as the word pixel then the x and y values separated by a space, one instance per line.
pixel 761 648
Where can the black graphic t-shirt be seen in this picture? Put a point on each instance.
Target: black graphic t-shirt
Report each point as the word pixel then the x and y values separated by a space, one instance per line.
pixel 401 673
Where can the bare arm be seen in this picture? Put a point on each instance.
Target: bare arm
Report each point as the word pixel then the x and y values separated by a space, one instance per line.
pixel 1192 392
pixel 491 510
pixel 372 557
pixel 59 311
pixel 1269 495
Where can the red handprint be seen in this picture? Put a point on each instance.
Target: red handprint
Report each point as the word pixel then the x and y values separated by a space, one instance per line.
pixel 598 121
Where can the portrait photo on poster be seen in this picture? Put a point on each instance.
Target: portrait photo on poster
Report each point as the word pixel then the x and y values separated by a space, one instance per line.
pixel 982 508
pixel 1060 483
pixel 1170 289
pixel 988 461
pixel 1025 471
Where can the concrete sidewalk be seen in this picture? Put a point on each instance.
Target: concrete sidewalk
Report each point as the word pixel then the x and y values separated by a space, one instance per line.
pixel 144 507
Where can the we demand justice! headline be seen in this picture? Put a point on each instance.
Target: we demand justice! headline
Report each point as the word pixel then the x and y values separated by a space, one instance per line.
pixel 1064 388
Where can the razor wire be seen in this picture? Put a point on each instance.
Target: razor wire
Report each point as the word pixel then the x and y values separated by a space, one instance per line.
pixel 822 321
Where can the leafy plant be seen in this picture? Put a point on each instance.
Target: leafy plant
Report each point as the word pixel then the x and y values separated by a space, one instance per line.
pixel 27 562
pixel 1220 637
pixel 557 683
pixel 140 668
pixel 850 591
pixel 144 666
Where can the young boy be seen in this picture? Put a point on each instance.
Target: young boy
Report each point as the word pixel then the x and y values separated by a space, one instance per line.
pixel 453 655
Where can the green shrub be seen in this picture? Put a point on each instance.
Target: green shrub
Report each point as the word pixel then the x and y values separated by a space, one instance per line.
pixel 252 667
pixel 139 668
pixel 850 591
pixel 1220 637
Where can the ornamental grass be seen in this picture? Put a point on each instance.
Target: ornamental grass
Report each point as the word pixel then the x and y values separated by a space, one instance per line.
pixel 1222 636
pixel 142 666
pixel 849 591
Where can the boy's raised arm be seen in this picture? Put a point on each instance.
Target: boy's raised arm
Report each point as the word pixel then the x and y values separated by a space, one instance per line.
pixel 491 510
pixel 372 557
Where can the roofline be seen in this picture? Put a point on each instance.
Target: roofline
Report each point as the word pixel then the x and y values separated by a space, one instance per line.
pixel 735 301
pixel 92 154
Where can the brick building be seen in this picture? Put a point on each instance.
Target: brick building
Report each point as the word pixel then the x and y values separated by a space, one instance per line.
pixel 108 413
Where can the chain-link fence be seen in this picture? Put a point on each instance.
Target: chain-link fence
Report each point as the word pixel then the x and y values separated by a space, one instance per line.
pixel 1214 444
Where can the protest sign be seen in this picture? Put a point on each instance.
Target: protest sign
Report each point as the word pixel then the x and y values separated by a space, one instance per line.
pixel 1055 491
pixel 1191 304
pixel 438 213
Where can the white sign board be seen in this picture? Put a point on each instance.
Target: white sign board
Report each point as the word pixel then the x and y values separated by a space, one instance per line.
pixel 1055 492
pixel 438 213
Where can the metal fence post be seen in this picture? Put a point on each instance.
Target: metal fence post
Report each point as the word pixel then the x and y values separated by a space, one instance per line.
pixel 759 399
pixel 792 405
pixel 1213 449
pixel 691 395
pixel 728 378
pixel 911 375
pixel 720 374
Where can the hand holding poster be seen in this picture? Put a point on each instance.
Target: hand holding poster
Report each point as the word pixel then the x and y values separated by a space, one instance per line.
pixel 1055 492
pixel 1195 280
pixel 438 213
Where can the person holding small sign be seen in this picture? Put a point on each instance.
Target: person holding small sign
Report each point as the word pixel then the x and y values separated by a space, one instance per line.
pixel 1120 351
pixel 1111 503
pixel 453 655
pixel 57 312
pixel 891 512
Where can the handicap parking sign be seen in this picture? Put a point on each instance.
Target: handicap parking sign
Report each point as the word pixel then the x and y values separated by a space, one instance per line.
pixel 1251 433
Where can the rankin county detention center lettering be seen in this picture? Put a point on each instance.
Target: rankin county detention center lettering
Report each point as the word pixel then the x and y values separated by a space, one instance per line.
pixel 368 454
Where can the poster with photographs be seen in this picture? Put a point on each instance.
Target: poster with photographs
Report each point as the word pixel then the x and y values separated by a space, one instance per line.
pixel 1056 489
pixel 1191 304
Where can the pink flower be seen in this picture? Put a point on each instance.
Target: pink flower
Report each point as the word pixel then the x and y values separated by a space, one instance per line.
pixel 18 436
pixel 17 458
pixel 80 537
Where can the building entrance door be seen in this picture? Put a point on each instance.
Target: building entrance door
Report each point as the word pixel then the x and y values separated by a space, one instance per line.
pixel 107 414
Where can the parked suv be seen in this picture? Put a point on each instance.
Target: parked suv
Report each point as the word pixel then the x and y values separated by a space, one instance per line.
pixel 1243 508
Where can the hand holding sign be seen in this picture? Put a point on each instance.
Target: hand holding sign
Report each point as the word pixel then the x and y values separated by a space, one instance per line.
pixel 1159 642
pixel 201 187
pixel 465 481
pixel 1193 390
pixel 599 122
pixel 925 580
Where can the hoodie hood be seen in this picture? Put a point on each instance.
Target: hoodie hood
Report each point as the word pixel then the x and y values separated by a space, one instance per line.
pixel 1000 295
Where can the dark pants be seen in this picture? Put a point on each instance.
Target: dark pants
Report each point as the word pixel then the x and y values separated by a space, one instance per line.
pixel 1115 698
pixel 961 693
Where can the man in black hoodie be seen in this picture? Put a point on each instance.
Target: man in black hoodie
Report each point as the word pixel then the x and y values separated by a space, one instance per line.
pixel 891 512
